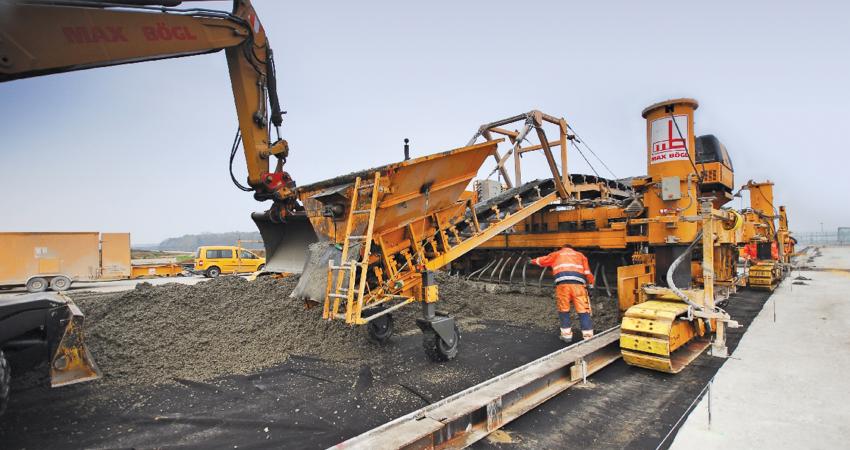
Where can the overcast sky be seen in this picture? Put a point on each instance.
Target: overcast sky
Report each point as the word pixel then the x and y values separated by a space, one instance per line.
pixel 144 147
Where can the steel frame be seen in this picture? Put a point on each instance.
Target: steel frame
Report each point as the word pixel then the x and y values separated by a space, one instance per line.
pixel 532 120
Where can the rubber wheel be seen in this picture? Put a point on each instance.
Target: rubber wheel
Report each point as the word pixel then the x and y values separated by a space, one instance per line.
pixel 381 329
pixel 437 349
pixel 5 379
pixel 37 284
pixel 60 283
pixel 261 267
pixel 213 272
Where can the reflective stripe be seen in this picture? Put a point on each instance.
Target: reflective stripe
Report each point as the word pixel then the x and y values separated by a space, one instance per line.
pixel 568 266
pixel 570 272
pixel 566 278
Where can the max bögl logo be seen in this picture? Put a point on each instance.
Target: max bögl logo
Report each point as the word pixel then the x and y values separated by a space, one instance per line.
pixel 669 143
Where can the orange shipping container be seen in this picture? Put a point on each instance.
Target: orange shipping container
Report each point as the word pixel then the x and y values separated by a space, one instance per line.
pixel 115 256
pixel 75 255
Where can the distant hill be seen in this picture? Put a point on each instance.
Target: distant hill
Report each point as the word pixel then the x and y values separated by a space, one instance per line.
pixel 191 242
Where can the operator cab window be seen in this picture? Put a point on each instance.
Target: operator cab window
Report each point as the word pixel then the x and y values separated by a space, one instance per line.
pixel 709 149
pixel 247 255
pixel 219 254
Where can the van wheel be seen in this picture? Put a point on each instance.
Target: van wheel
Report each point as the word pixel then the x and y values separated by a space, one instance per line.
pixel 36 284
pixel 213 272
pixel 261 267
pixel 60 283
pixel 5 379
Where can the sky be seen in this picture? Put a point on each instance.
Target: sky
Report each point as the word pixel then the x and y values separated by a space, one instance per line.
pixel 143 148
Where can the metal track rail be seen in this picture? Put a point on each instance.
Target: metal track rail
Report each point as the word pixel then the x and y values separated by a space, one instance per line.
pixel 468 416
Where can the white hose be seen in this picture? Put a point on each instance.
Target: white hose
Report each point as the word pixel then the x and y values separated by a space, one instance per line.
pixel 679 293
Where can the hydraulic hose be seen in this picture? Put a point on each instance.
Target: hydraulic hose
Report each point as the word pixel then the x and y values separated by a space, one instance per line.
pixel 672 269
pixel 271 84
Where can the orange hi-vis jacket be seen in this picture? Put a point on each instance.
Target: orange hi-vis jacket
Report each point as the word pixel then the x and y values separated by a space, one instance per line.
pixel 750 251
pixel 568 266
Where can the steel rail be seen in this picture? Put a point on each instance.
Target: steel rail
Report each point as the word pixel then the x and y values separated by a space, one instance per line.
pixel 468 416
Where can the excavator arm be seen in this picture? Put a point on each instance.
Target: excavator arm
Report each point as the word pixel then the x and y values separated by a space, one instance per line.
pixel 39 37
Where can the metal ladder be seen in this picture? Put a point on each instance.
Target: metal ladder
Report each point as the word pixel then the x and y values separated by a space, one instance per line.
pixel 353 291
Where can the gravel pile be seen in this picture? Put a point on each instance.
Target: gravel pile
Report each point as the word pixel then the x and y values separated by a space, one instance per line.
pixel 156 334
pixel 227 325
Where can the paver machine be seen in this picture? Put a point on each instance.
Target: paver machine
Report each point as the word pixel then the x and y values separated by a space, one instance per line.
pixel 672 223
pixel 383 232
pixel 671 319
pixel 767 246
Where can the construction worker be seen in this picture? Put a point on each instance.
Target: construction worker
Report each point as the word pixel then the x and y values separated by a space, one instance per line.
pixel 572 276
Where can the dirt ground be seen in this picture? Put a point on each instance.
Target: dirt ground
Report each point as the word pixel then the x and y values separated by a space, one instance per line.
pixel 172 333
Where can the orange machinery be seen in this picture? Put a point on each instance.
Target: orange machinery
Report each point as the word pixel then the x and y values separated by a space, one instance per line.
pixel 767 248
pixel 613 221
pixel 672 223
pixel 384 231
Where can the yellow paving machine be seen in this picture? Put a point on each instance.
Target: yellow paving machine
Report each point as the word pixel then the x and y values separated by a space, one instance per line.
pixel 767 246
pixel 672 223
pixel 383 232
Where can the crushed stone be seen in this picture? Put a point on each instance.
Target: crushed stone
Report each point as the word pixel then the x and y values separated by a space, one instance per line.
pixel 174 332
pixel 156 334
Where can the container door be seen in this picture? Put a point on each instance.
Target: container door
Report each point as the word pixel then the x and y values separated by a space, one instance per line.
pixel 115 255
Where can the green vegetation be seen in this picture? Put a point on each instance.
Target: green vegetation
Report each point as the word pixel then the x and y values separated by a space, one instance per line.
pixel 155 254
pixel 191 242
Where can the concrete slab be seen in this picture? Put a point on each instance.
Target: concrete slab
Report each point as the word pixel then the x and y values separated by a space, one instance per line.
pixel 786 386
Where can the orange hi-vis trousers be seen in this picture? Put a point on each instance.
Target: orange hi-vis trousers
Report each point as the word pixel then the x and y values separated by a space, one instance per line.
pixel 567 294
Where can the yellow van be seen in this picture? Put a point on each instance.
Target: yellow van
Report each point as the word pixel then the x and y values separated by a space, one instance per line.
pixel 213 261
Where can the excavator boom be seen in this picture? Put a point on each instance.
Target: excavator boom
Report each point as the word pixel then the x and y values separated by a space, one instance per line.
pixel 47 37
pixel 39 37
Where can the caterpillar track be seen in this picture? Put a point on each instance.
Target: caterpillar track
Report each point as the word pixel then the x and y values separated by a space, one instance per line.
pixel 657 335
pixel 765 275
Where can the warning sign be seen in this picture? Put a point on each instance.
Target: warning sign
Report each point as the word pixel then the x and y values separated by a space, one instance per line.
pixel 668 141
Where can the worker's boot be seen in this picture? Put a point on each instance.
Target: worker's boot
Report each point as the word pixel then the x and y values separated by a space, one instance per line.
pixel 586 334
pixel 567 335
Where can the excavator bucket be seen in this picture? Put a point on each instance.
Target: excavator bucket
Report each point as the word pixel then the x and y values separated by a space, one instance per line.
pixel 287 243
pixel 71 362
